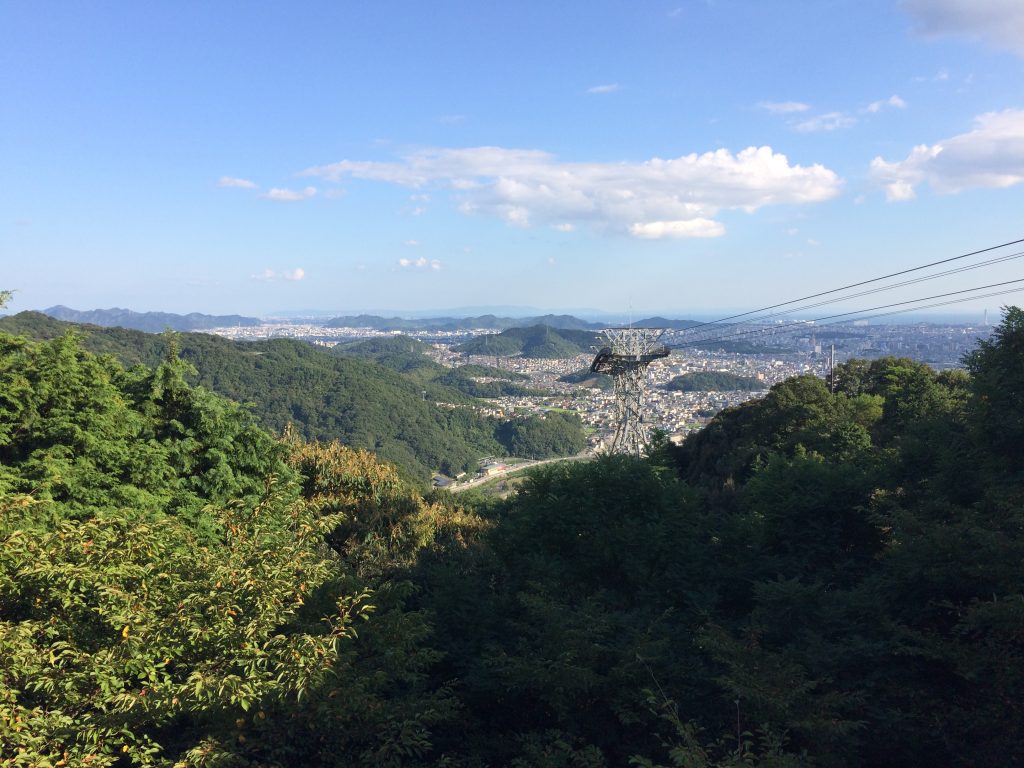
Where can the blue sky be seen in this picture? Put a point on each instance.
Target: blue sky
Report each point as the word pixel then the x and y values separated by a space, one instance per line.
pixel 683 157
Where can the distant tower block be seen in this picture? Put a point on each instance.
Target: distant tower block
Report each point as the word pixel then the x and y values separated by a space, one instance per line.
pixel 625 358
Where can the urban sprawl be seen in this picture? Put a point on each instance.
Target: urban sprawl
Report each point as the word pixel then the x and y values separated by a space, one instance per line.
pixel 766 356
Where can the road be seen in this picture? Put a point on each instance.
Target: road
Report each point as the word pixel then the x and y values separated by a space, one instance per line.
pixel 458 488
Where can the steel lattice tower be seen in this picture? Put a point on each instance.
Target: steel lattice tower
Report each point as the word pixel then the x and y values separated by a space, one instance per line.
pixel 625 358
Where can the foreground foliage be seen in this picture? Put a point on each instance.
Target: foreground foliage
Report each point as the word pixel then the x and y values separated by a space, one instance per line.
pixel 383 395
pixel 174 588
pixel 815 579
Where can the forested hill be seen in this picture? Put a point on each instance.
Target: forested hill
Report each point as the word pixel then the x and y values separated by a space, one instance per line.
pixel 179 588
pixel 817 579
pixel 714 381
pixel 357 401
pixel 540 341
pixel 152 322
pixel 406 355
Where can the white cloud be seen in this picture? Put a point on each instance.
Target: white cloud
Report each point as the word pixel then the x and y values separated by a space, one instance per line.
pixel 563 227
pixel 655 230
pixel 232 181
pixel 269 275
pixel 991 155
pixel 676 197
pixel 783 107
pixel 892 101
pixel 606 88
pixel 997 22
pixel 940 76
pixel 290 195
pixel 830 121
pixel 421 263
pixel 411 243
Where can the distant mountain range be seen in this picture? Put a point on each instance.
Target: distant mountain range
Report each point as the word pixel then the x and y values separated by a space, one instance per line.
pixel 490 322
pixel 486 322
pixel 151 322
pixel 155 322
pixel 663 322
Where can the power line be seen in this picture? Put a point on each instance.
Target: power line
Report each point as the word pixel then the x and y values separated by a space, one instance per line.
pixel 805 323
pixel 858 284
pixel 880 289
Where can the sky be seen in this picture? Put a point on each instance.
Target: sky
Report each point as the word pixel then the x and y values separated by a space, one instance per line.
pixel 681 157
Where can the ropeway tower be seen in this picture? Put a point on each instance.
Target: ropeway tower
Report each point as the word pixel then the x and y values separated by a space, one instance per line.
pixel 625 358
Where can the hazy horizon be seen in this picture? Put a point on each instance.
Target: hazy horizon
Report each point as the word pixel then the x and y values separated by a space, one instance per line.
pixel 590 315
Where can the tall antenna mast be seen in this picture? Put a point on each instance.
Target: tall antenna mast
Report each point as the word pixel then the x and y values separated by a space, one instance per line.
pixel 625 358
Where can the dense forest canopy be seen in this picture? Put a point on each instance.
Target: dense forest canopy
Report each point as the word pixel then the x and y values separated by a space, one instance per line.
pixel 714 381
pixel 817 578
pixel 538 341
pixel 379 395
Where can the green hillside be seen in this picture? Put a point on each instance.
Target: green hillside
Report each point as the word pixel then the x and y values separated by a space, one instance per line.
pixel 585 377
pixel 179 588
pixel 406 355
pixel 357 401
pixel 819 578
pixel 382 345
pixel 538 341
pixel 714 381
pixel 815 579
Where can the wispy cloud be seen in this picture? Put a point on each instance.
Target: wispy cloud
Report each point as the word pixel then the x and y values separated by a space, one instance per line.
pixel 830 121
pixel 269 275
pixel 233 181
pixel 421 263
pixel 783 107
pixel 999 23
pixel 991 155
pixel 658 198
pixel 941 76
pixel 290 195
pixel 606 88
pixel 892 101
pixel 411 243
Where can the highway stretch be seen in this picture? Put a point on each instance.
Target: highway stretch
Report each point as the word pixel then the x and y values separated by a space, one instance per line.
pixel 458 488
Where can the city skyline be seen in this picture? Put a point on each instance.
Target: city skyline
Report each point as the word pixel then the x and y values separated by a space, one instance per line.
pixel 681 157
